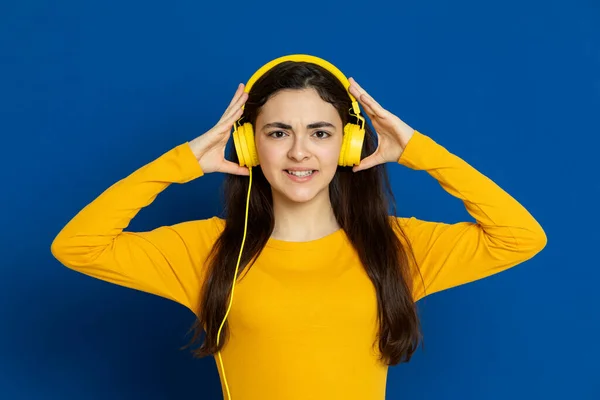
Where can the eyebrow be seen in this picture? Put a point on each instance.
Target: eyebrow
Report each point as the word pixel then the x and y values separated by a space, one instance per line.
pixel 281 125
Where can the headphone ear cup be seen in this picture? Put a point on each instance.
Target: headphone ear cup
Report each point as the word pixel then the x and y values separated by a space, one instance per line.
pixel 236 143
pixel 343 151
pixel 352 144
pixel 243 139
pixel 252 155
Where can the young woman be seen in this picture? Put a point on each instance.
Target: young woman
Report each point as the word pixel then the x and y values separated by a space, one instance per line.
pixel 324 299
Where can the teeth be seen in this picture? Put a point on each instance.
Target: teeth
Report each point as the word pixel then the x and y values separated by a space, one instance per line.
pixel 300 173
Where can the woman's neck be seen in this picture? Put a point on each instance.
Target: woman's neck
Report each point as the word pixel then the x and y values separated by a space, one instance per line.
pixel 301 222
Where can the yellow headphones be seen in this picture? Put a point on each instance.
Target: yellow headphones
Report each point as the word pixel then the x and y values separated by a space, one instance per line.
pixel 245 147
pixel 243 135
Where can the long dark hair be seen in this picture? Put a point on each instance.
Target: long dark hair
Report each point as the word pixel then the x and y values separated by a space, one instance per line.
pixel 361 203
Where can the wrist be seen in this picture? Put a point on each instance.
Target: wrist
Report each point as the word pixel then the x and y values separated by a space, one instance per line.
pixel 194 146
pixel 405 134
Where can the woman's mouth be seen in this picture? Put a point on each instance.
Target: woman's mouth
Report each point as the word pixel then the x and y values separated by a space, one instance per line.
pixel 301 176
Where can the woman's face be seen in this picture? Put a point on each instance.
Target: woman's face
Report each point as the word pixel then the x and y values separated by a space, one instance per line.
pixel 298 139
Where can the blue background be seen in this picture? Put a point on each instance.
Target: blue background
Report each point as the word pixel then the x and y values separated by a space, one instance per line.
pixel 90 91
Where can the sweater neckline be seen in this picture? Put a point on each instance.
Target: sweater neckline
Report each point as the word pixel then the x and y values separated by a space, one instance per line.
pixel 321 242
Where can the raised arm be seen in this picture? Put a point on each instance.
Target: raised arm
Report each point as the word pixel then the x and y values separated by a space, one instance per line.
pixel 502 235
pixel 167 261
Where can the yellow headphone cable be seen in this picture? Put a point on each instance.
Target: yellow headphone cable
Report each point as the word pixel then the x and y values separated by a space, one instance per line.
pixel 243 137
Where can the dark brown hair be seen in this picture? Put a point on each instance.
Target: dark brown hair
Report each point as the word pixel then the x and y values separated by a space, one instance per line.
pixel 361 202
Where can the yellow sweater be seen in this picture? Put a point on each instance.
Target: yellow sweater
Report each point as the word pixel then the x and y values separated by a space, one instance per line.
pixel 303 320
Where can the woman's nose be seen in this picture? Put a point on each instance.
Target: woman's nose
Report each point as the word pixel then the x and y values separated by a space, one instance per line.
pixel 299 150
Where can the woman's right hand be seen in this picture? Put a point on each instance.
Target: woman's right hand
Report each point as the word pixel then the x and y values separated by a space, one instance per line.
pixel 209 147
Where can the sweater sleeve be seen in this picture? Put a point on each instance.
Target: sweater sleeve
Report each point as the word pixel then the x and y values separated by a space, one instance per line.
pixel 503 234
pixel 166 261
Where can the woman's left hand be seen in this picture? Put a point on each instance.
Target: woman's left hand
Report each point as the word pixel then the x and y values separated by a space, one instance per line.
pixel 392 133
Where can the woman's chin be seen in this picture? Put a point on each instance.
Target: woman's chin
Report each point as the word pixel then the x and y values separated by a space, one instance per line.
pixel 304 197
pixel 299 196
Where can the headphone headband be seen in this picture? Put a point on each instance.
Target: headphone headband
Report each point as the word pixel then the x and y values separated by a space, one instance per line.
pixel 306 58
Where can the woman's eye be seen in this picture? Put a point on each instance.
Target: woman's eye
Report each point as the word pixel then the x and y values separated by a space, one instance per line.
pixel 277 134
pixel 322 134
pixel 318 134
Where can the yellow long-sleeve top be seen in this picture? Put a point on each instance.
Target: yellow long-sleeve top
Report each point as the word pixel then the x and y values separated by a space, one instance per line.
pixel 303 320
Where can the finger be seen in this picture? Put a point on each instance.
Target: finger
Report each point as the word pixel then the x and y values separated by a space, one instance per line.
pixel 238 93
pixel 362 100
pixel 233 99
pixel 359 88
pixel 375 107
pixel 368 162
pixel 233 168
pixel 364 163
pixel 237 106
pixel 367 100
pixel 225 125
pixel 367 106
